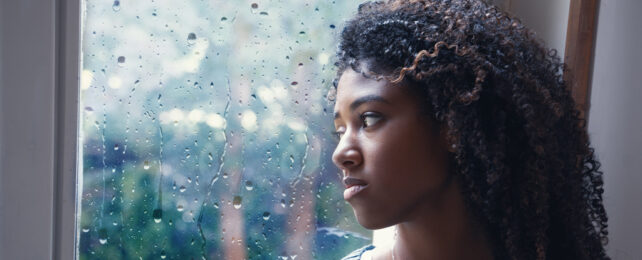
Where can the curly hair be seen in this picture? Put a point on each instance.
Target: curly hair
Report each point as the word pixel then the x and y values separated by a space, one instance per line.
pixel 520 148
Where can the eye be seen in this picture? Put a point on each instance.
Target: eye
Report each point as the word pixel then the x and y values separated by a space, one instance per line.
pixel 338 134
pixel 370 118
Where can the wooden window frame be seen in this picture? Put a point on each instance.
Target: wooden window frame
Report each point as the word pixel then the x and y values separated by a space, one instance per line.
pixel 580 49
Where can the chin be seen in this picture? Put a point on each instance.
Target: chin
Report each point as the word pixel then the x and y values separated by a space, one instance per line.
pixel 372 221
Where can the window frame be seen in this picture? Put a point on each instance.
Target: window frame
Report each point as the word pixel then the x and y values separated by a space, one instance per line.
pixel 68 60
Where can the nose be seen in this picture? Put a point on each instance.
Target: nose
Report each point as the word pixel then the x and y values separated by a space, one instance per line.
pixel 347 155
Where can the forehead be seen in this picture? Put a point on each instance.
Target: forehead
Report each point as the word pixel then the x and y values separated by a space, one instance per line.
pixel 353 85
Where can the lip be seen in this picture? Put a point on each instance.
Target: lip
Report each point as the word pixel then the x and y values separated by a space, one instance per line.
pixel 352 191
pixel 351 181
pixel 353 187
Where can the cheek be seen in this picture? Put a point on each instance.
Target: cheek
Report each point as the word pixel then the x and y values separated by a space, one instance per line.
pixel 406 158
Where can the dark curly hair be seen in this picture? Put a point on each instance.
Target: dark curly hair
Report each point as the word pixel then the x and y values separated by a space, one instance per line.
pixel 521 152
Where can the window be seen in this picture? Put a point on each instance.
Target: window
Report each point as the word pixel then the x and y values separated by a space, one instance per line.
pixel 206 131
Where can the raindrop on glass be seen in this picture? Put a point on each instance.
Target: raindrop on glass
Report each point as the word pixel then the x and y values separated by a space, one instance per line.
pixel 237 201
pixel 158 215
pixel 266 215
pixel 116 147
pixel 249 185
pixel 191 38
pixel 121 60
pixel 146 165
pixel 85 229
pixel 182 188
pixel 179 208
pixel 163 255
pixel 116 6
pixel 255 6
pixel 294 83
pixel 102 236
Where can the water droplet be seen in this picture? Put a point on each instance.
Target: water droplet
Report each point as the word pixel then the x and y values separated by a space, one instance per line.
pixel 294 83
pixel 121 60
pixel 146 165
pixel 189 179
pixel 191 38
pixel 116 6
pixel 179 208
pixel 266 215
pixel 158 215
pixel 85 229
pixel 249 185
pixel 163 255
pixel 255 6
pixel 102 236
pixel 116 147
pixel 182 188
pixel 237 202
pixel 209 155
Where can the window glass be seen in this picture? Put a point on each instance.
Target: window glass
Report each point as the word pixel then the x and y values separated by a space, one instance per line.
pixel 206 131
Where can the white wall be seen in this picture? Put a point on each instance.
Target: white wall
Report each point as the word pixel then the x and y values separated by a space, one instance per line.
pixel 548 18
pixel 26 109
pixel 615 121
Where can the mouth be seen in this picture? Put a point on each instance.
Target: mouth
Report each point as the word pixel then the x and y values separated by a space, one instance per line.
pixel 353 187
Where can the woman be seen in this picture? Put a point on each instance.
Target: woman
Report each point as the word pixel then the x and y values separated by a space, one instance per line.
pixel 456 127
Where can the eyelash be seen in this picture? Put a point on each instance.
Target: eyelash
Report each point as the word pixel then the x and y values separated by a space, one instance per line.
pixel 363 117
pixel 366 115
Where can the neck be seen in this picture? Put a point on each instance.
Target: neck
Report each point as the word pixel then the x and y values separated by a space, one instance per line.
pixel 442 229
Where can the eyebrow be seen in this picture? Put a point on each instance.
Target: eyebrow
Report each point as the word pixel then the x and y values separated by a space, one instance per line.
pixel 362 100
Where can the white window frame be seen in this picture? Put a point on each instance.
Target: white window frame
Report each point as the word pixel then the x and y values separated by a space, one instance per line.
pixel 39 75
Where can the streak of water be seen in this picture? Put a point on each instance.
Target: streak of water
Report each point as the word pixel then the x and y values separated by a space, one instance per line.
pixel 305 157
pixel 104 151
pixel 218 173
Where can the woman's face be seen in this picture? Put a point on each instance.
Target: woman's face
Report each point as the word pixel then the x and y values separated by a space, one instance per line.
pixel 394 165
